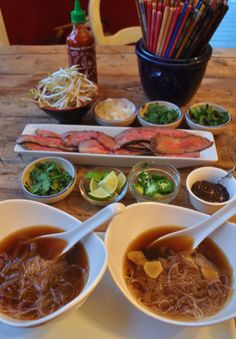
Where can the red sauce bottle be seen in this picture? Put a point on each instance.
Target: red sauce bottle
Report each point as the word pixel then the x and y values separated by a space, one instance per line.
pixel 81 44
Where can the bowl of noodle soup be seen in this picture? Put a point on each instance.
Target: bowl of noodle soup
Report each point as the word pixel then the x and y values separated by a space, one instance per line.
pixel 35 290
pixel 185 289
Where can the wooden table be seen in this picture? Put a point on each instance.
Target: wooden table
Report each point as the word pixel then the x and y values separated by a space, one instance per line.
pixel 22 66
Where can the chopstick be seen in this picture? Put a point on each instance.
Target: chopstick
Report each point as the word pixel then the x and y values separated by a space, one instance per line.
pixel 179 28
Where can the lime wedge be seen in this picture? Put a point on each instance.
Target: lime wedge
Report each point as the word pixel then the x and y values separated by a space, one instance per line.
pixel 109 183
pixel 99 194
pixel 121 182
pixel 93 185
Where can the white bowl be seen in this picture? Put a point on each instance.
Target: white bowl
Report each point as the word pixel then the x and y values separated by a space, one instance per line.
pixel 213 129
pixel 110 108
pixel 28 213
pixel 141 217
pixel 212 174
pixel 167 104
pixel 49 199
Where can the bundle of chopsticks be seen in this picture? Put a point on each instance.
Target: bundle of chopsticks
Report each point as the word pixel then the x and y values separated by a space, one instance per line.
pixel 175 29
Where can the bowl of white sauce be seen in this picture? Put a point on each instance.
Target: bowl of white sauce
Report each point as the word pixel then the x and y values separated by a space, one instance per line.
pixel 115 112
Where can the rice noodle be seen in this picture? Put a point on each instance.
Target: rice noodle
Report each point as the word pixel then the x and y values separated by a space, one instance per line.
pixel 180 291
pixel 32 287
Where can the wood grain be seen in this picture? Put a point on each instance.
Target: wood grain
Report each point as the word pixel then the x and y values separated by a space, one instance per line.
pixel 22 66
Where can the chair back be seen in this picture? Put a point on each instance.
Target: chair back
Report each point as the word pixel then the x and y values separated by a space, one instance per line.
pixel 123 37
pixel 4 41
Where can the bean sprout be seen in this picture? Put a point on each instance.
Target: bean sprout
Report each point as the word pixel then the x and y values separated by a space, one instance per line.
pixel 64 88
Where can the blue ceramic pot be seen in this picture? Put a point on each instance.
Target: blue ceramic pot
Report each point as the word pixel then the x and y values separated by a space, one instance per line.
pixel 174 80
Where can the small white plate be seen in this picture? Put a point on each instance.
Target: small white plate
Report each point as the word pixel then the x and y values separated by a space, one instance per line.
pixel 208 156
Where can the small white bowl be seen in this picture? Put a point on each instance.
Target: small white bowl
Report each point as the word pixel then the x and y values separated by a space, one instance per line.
pixel 213 129
pixel 167 104
pixel 111 108
pixel 29 213
pixel 142 217
pixel 49 199
pixel 212 174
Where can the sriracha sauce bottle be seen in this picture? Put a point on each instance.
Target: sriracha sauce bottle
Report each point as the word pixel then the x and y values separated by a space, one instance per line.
pixel 81 44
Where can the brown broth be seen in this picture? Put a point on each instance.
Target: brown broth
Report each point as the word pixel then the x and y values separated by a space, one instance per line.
pixel 207 248
pixel 14 245
pixel 15 242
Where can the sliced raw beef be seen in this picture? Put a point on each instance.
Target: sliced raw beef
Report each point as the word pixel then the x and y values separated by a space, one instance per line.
pixel 75 138
pixel 46 133
pixel 146 134
pixel 126 151
pixel 43 141
pixel 139 145
pixel 92 146
pixel 35 147
pixel 163 144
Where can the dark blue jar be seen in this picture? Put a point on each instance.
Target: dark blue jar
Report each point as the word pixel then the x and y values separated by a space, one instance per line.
pixel 174 80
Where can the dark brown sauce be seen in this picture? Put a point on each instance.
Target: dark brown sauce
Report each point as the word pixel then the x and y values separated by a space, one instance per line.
pixel 210 191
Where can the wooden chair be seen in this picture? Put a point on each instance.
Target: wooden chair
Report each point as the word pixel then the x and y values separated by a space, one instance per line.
pixel 4 41
pixel 123 37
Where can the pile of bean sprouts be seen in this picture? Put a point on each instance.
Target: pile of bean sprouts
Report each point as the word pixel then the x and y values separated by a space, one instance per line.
pixel 64 88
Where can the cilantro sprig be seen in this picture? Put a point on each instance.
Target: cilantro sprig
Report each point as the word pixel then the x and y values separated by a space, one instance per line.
pixel 47 179
pixel 207 115
pixel 160 114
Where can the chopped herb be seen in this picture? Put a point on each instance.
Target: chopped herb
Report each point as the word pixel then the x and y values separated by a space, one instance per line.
pixel 160 114
pixel 207 115
pixel 47 179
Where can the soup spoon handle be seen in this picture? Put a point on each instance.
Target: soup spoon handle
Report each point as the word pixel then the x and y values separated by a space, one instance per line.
pixel 77 233
pixel 205 228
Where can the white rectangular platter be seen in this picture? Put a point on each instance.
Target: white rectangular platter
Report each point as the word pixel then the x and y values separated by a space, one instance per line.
pixel 108 315
pixel 207 156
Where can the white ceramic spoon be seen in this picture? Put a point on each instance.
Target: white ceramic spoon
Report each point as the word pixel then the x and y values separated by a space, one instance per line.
pixel 70 238
pixel 197 233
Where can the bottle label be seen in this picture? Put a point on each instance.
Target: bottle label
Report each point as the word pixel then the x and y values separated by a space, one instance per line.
pixel 85 58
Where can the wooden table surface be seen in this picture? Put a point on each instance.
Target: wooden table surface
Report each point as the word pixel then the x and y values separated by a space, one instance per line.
pixel 21 67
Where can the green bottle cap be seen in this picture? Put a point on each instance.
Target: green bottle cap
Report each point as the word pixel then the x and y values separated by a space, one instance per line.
pixel 78 15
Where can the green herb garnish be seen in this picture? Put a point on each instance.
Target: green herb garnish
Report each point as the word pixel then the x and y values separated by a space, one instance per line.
pixel 207 115
pixel 153 184
pixel 160 114
pixel 47 179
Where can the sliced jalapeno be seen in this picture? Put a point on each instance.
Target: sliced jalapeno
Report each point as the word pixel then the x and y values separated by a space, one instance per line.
pixel 165 186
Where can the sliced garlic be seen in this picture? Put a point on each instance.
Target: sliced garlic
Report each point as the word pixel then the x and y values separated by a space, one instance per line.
pixel 137 257
pixel 153 269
